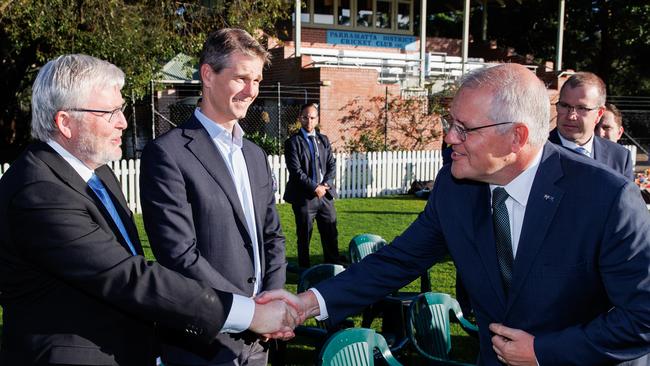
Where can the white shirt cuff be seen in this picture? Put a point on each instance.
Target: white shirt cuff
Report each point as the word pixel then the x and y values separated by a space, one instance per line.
pixel 321 305
pixel 240 316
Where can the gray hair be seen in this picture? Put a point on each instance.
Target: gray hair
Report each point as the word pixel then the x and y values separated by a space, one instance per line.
pixel 221 43
pixel 517 96
pixel 66 82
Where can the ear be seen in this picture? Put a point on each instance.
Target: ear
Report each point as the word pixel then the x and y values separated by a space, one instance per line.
pixel 601 111
pixel 206 74
pixel 62 120
pixel 519 137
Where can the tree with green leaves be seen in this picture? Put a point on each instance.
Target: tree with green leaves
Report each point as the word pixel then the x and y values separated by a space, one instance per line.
pixel 137 35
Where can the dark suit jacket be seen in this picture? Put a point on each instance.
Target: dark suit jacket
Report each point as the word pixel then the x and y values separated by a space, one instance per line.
pixel 72 292
pixel 580 286
pixel 607 152
pixel 301 186
pixel 196 224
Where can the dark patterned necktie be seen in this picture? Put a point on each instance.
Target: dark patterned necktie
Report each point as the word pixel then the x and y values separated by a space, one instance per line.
pixel 502 235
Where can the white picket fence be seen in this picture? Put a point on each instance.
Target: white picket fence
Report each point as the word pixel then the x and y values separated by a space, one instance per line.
pixel 357 175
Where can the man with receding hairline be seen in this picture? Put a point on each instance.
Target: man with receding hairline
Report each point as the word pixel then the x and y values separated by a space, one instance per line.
pixel 579 108
pixel 552 247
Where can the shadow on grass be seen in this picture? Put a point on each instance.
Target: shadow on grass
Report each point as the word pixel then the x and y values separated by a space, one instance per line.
pixel 410 213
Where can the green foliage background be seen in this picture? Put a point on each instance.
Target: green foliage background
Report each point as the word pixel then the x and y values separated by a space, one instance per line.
pixel 138 36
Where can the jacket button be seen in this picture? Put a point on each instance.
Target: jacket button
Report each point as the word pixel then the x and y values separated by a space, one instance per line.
pixel 251 280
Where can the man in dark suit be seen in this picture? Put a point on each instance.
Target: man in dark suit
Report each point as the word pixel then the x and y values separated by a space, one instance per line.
pixel 208 201
pixel 580 107
pixel 310 189
pixel 74 285
pixel 555 265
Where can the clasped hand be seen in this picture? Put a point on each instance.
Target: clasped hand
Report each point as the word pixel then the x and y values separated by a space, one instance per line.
pixel 278 312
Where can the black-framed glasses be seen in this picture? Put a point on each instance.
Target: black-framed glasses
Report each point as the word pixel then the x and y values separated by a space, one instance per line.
pixel 462 131
pixel 566 108
pixel 111 113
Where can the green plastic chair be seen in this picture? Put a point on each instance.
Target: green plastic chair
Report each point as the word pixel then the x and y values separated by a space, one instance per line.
pixel 318 273
pixel 428 326
pixel 364 244
pixel 310 277
pixel 355 347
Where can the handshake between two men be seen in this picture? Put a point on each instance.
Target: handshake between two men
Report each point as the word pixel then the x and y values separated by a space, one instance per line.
pixel 278 312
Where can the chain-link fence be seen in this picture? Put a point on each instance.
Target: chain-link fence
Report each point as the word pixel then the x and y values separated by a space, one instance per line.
pixel 268 122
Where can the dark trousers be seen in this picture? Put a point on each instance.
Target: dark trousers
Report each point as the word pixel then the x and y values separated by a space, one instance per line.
pixel 253 354
pixel 323 211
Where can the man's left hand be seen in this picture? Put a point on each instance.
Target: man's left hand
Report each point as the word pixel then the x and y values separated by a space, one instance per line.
pixel 513 346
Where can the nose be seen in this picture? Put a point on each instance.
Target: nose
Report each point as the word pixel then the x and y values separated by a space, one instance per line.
pixel 453 137
pixel 120 120
pixel 251 88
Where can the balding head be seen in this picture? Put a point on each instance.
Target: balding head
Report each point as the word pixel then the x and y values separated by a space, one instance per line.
pixel 517 95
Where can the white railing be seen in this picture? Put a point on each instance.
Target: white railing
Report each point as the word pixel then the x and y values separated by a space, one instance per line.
pixel 371 174
pixel 357 175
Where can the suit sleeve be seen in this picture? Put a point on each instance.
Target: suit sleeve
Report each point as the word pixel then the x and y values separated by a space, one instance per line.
pixel 623 332
pixel 296 170
pixel 168 219
pixel 273 239
pixel 629 166
pixel 392 267
pixel 71 245
pixel 330 165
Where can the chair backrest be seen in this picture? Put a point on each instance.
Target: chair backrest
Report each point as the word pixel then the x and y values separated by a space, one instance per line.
pixel 428 324
pixel 355 347
pixel 364 244
pixel 316 274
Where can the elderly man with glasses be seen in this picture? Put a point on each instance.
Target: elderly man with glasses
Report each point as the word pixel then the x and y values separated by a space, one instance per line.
pixel 555 265
pixel 74 284
pixel 580 107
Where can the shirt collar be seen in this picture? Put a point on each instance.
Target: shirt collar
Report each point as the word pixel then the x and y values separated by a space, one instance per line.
pixel 76 164
pixel 572 145
pixel 217 132
pixel 519 188
pixel 307 134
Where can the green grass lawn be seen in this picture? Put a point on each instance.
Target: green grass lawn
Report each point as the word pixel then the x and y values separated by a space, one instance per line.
pixel 387 217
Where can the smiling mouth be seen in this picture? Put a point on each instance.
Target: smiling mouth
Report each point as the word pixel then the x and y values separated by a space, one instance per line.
pixel 456 155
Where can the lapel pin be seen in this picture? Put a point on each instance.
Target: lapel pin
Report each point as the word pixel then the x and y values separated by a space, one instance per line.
pixel 548 197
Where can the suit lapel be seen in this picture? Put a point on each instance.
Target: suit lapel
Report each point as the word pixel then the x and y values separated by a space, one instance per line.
pixel 484 239
pixel 68 175
pixel 542 205
pixel 260 198
pixel 203 148
pixel 110 182
pixel 597 148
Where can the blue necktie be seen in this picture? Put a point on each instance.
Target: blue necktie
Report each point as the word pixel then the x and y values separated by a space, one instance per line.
pixel 502 235
pixel 582 150
pixel 96 185
pixel 315 160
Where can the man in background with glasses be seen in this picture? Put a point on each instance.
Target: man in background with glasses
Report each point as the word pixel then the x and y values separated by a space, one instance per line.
pixel 553 248
pixel 579 108
pixel 74 284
